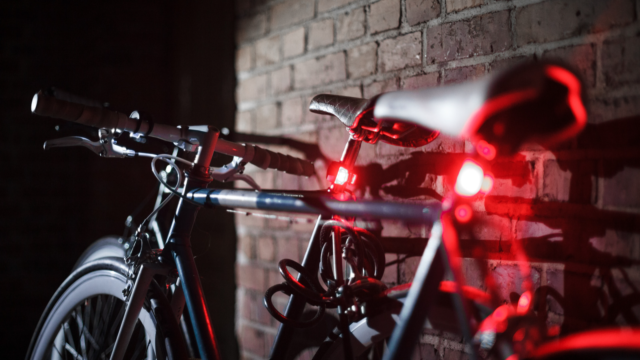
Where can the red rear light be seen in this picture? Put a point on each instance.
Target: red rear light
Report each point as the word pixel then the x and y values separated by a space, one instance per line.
pixel 342 176
pixel 470 179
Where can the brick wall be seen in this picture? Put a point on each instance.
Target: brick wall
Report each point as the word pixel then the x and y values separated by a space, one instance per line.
pixel 573 209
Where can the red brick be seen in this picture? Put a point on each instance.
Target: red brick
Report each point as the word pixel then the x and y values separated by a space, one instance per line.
pixel 509 279
pixel 419 11
pixel 362 60
pixel 502 64
pixel 390 276
pixel 621 189
pixel 572 181
pixel 453 354
pixel 281 80
pixel 555 20
pixel 254 88
pixel 246 245
pixel 292 112
pixel 244 58
pixel 400 52
pixel 286 182
pixel 331 140
pixel 481 35
pixel 421 81
pixel 324 70
pixel 425 352
pixel 513 178
pixel 353 91
pixel 320 34
pixel 538 229
pixel 582 57
pixel 326 5
pixel 492 227
pixel 620 243
pixel 288 249
pixel 380 87
pixel 621 61
pixel 407 269
pixel 463 74
pixel 267 51
pixel 253 340
pixel 250 277
pixel 293 43
pixel 266 248
pixel 266 117
pixel 384 15
pixel 264 179
pixel 604 109
pixel 244 122
pixel 458 5
pixel 251 27
pixel 291 12
pixel 350 25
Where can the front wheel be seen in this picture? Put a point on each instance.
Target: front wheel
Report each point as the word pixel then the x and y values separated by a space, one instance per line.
pixel 83 318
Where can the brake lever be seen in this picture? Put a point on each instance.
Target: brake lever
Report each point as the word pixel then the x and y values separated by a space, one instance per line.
pixel 106 147
pixel 232 172
pixel 69 141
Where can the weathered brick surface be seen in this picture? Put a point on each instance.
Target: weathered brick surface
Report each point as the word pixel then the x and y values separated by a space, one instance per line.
pixel 291 12
pixel 362 60
pixel 320 34
pixel 266 117
pixel 254 88
pixel 350 25
pixel 293 43
pixel 292 112
pixel 555 20
pixel 251 27
pixel 462 74
pixel 570 208
pixel 384 15
pixel 421 81
pixel 244 58
pixel 281 80
pixel 621 61
pixel 419 11
pixel 325 5
pixel 482 35
pixel 332 68
pixel 400 52
pixel 458 5
pixel 582 57
pixel 267 51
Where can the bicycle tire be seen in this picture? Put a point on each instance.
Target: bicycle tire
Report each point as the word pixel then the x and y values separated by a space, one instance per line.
pixel 369 334
pixel 71 317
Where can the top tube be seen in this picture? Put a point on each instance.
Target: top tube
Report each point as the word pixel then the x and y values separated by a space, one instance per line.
pixel 299 203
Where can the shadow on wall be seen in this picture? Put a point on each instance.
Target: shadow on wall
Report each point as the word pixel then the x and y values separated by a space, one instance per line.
pixel 597 246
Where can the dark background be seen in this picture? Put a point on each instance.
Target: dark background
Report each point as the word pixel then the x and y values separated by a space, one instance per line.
pixel 175 61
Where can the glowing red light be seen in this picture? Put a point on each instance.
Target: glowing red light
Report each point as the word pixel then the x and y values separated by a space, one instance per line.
pixel 524 302
pixel 469 179
pixel 487 184
pixel 519 335
pixel 353 180
pixel 342 176
pixel 463 213
pixel 574 100
pixel 485 149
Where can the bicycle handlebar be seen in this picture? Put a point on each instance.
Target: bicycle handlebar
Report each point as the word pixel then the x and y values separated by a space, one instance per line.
pixel 99 117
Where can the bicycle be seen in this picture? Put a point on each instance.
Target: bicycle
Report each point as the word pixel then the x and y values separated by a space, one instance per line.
pixel 142 298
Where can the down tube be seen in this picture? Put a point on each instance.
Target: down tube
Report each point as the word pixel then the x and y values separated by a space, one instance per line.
pixel 180 244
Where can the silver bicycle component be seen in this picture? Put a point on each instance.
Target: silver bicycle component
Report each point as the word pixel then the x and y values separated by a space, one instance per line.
pixel 105 147
pixel 233 171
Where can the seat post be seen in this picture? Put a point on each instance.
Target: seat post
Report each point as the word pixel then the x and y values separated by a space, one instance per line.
pixel 350 153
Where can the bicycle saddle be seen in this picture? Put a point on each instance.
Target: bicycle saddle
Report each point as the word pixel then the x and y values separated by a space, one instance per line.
pixel 539 101
pixel 356 113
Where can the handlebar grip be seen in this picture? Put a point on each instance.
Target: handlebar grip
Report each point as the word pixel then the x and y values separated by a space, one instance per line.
pixel 67 96
pixel 264 159
pixel 83 114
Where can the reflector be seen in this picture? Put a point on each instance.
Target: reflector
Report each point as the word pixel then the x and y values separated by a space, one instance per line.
pixel 469 179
